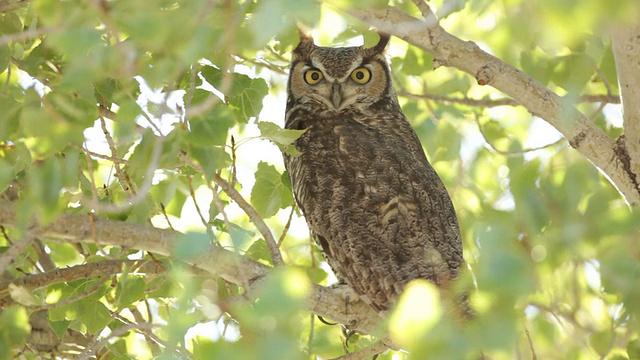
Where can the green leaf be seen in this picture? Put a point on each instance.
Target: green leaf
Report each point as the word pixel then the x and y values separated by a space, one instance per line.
pixel 94 315
pixel 76 310
pixel 503 269
pixel 277 135
pixel 60 327
pixel 416 62
pixel 6 174
pixel 608 68
pixel 245 94
pixel 273 17
pixel 210 158
pixel 248 100
pixel 572 72
pixel 47 179
pixel 211 128
pixel 10 23
pixel 270 193
pixel 14 329
pixel 633 349
pixel 273 317
pixel 129 289
pixel 64 253
pixel 259 251
pixel 5 57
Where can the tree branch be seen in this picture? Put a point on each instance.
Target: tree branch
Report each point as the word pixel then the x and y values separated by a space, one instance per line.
pixel 626 50
pixel 90 270
pixel 230 266
pixel 255 218
pixel 594 98
pixel 449 50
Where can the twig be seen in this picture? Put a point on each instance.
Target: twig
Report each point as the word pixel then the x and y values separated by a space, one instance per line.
pixel 88 353
pixel 94 201
pixel 146 116
pixel 192 192
pixel 220 206
pixel 234 169
pixel 255 218
pixel 124 180
pixel 214 191
pixel 152 340
pixel 163 209
pixel 190 92
pixel 113 159
pixel 534 356
pixel 143 190
pixel 262 63
pixel 423 7
pixel 312 319
pixel 286 226
pixel 43 257
pixel 514 153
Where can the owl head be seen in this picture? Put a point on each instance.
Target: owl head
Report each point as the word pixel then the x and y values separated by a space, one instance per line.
pixel 333 80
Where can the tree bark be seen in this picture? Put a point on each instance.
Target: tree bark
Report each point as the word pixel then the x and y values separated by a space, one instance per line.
pixel 626 51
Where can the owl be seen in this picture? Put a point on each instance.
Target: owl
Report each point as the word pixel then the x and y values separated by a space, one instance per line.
pixel 374 204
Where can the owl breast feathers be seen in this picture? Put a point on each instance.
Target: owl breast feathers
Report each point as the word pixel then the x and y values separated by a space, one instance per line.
pixel 373 202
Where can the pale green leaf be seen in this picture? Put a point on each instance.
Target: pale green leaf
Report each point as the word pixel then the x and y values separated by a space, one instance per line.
pixel 277 135
pixel 129 289
pixel 270 193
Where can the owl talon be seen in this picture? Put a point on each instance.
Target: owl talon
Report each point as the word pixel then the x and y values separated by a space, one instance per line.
pixel 322 320
pixel 347 294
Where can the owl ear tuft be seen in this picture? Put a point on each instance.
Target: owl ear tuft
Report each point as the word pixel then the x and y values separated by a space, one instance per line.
pixel 382 44
pixel 306 41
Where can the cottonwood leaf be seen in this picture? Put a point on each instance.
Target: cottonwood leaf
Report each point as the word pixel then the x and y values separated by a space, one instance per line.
pixel 270 192
pixel 279 136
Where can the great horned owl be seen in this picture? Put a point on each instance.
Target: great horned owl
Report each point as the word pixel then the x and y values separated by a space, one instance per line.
pixel 373 202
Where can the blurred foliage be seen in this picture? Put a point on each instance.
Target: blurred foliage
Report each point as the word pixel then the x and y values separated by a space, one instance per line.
pixel 111 107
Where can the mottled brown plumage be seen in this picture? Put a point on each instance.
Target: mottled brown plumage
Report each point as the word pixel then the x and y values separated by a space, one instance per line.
pixel 375 205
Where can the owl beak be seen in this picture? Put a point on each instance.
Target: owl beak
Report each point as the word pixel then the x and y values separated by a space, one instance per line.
pixel 336 95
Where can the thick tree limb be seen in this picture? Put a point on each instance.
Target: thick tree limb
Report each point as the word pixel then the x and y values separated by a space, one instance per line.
pixel 449 50
pixel 608 99
pixel 232 267
pixel 626 50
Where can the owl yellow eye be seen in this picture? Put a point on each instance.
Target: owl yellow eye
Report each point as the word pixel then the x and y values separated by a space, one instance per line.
pixel 361 75
pixel 312 76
